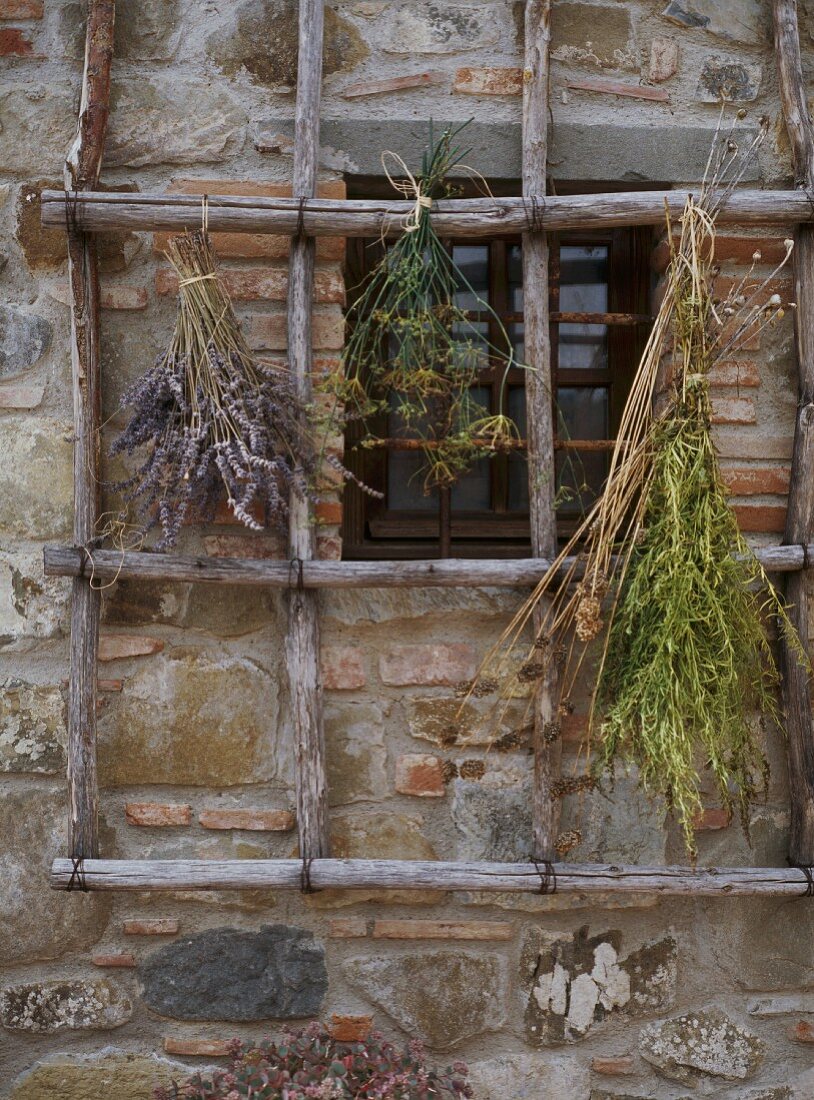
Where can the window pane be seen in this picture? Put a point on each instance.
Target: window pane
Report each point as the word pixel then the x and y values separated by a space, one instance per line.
pixel 583 347
pixel 583 289
pixel 514 274
pixel 583 414
pixel 518 497
pixel 405 483
pixel 473 262
pixel 472 492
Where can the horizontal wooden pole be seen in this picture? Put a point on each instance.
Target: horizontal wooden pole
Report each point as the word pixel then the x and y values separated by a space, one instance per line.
pixel 571 878
pixel 108 565
pixel 98 211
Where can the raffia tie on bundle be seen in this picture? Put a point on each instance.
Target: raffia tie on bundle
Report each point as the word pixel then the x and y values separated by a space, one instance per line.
pixel 410 187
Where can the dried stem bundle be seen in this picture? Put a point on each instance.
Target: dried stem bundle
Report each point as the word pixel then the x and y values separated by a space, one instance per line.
pixel 668 576
pixel 213 416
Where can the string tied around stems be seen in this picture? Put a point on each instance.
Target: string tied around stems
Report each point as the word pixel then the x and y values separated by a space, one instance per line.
pixel 410 187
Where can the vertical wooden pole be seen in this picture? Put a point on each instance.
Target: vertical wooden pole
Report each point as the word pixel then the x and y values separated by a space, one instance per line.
pixel 82 167
pixel 302 643
pixel 799 525
pixel 539 403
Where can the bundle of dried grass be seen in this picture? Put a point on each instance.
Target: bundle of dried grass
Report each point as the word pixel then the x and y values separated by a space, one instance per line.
pixel 212 416
pixel 665 572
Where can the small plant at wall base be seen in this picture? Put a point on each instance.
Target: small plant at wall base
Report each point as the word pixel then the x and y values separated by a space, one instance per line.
pixel 310 1065
pixel 412 350
pixel 212 417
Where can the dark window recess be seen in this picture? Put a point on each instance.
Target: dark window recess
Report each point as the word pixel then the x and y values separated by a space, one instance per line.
pixel 594 354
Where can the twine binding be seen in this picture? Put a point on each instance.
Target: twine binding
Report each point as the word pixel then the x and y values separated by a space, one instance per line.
pixel 548 876
pixel 77 879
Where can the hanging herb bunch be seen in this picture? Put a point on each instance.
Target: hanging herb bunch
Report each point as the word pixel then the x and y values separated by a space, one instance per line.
pixel 412 350
pixel 669 587
pixel 212 417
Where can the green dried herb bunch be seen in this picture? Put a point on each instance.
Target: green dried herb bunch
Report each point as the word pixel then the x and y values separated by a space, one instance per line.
pixel 411 350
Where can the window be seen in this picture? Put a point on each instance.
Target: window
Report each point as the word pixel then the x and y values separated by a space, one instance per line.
pixel 594 354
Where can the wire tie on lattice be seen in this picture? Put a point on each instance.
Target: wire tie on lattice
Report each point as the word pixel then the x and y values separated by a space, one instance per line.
pixel 77 879
pixel 806 556
pixel 305 876
pixel 533 208
pixel 548 876
pixel 808 871
pixel 299 583
pixel 301 216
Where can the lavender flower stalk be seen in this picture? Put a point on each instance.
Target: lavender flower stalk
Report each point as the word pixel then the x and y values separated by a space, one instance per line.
pixel 211 415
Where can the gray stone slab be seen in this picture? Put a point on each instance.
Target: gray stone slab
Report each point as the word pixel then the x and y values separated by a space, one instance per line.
pixel 577 151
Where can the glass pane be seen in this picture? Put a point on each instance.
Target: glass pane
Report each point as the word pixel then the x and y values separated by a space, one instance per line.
pixel 514 275
pixel 474 341
pixel 405 483
pixel 472 492
pixel 518 498
pixel 583 347
pixel 473 263
pixel 516 333
pixel 583 414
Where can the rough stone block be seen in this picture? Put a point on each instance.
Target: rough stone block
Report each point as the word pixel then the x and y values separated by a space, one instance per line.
pixel 97 1077
pixel 276 973
pixel 32 728
pixel 37 468
pixel 663 59
pixel 343 668
pixel 701 1045
pixel 157 814
pixel 491 824
pixel 171 121
pixel 196 716
pixel 782 1006
pixel 452 723
pixel 593 35
pixel 488 81
pixel 734 81
pixel 33 825
pixel 402 665
pixel 529 1076
pixel 47 1007
pixel 24 339
pixel 575 981
pixel 274 821
pixel 738 20
pixel 442 930
pixel 261 44
pixel 20 396
pixel 429 28
pixel 121 647
pixel 420 775
pixel 355 750
pixel 442 998
pixel 801 1032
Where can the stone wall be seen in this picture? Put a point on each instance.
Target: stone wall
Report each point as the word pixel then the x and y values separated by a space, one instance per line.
pixel 545 996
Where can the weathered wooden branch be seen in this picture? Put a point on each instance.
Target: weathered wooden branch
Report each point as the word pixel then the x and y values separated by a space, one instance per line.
pixel 302 640
pixel 101 211
pixel 800 515
pixel 545 808
pixel 110 565
pixel 82 166
pixel 571 878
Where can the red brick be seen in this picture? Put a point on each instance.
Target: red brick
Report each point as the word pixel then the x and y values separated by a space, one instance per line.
pixel 735 372
pixel 401 665
pixel 328 511
pixel 117 647
pixel 155 926
pixel 268 331
pixel 268 284
pixel 224 514
pixel 123 297
pixel 13 43
pixel 21 9
pixel 347 928
pixel 123 960
pixel 574 727
pixel 710 819
pixel 350 1029
pixel 197 1048
pixel 420 775
pixel 264 246
pixel 763 518
pixel 17 395
pixel 409 929
pixel 756 480
pixel 157 814
pixel 663 59
pixel 488 81
pixel 733 410
pixel 343 668
pixel 725 284
pixel 801 1032
pixel 620 1065
pixel 394 84
pixel 740 250
pixel 329 547
pixel 617 87
pixel 262 547
pixel 270 821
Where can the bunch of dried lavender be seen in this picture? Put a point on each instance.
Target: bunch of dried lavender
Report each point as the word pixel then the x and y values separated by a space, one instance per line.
pixel 212 415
